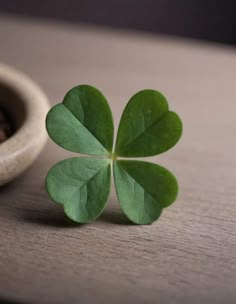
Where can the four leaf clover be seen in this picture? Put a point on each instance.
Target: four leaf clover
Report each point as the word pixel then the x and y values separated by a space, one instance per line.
pixel 83 123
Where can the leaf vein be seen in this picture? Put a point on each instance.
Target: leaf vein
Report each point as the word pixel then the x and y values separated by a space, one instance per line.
pixel 124 146
pixel 96 139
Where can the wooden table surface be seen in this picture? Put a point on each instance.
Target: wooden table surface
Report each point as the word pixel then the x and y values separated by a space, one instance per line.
pixel 189 255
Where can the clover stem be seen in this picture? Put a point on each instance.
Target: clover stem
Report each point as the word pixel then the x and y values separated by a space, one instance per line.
pixel 113 156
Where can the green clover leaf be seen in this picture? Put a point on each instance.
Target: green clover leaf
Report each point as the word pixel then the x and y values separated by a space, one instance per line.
pixel 147 127
pixel 82 185
pixel 83 123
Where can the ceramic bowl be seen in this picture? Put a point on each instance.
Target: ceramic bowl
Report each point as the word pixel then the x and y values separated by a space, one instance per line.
pixel 27 107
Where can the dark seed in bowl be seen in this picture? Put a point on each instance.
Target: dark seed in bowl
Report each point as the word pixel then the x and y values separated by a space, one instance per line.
pixel 5 126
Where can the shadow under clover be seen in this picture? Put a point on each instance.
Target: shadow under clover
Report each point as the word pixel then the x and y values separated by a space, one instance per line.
pixel 114 217
pixel 53 217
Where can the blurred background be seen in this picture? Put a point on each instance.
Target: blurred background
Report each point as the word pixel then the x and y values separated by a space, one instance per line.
pixel 189 257
pixel 212 20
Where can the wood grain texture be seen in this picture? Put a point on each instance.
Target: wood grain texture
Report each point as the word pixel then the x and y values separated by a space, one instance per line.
pixel 189 255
